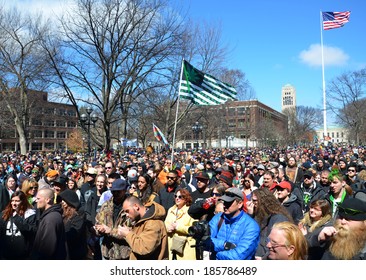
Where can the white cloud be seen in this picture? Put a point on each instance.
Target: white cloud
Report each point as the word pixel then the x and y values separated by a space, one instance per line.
pixel 333 56
pixel 49 8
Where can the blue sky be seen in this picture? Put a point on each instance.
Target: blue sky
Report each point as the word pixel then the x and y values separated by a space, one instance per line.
pixel 278 42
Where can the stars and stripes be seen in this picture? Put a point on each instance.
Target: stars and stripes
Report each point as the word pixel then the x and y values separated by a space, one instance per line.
pixel 335 19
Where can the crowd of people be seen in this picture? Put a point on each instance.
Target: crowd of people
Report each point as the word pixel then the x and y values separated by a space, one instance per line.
pixel 303 203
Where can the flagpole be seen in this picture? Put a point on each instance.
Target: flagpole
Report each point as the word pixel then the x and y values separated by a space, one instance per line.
pixel 176 113
pixel 324 95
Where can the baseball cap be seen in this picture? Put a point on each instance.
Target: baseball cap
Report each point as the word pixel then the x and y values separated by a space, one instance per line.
pixel 352 209
pixel 231 194
pixel 119 185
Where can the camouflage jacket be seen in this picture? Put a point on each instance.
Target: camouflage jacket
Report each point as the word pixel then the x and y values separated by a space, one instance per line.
pixel 113 246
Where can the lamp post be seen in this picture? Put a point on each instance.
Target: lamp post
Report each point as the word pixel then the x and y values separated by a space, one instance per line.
pixel 88 120
pixel 197 128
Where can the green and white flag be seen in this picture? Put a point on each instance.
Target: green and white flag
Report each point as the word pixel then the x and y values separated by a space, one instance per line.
pixel 203 89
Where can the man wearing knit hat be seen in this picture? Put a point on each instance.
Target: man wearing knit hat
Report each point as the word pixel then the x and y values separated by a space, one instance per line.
pixel 47 179
pixel 346 240
pixel 226 177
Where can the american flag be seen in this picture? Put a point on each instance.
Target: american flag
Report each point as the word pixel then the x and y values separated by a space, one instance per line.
pixel 335 19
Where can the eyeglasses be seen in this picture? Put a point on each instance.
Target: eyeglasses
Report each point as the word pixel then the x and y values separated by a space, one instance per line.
pixel 274 245
pixel 216 194
pixel 349 211
pixel 178 196
pixel 171 178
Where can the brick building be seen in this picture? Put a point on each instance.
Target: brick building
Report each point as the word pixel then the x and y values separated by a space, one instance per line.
pixel 237 124
pixel 50 124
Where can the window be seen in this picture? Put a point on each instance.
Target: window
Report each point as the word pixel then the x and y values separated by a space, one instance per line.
pixel 61 112
pixel 61 134
pixel 71 124
pixel 49 123
pixel 71 113
pixel 49 111
pixel 49 146
pixel 37 133
pixel 49 134
pixel 36 122
pixel 36 146
pixel 60 123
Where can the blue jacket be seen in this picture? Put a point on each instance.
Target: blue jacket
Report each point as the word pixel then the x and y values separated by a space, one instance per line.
pixel 241 230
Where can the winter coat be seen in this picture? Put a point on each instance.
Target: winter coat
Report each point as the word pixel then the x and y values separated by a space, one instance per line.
pixel 149 239
pixel 266 230
pixel 308 195
pixel 4 197
pixel 17 235
pixel 196 210
pixel 293 206
pixel 75 229
pixel 166 197
pixel 313 230
pixel 113 246
pixel 184 221
pixel 50 240
pixel 242 230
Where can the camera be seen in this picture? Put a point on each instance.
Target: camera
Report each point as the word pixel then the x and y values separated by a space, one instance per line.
pixel 199 230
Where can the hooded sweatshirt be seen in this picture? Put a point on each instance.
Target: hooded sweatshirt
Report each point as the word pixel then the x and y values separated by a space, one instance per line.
pixel 149 239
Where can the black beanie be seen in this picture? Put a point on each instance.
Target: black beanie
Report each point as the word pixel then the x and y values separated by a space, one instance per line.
pixel 70 197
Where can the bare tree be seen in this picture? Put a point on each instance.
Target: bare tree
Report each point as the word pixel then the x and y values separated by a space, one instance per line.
pixel 346 97
pixel 111 52
pixel 302 124
pixel 23 66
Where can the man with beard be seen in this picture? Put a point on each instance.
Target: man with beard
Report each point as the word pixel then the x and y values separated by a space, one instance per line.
pixel 293 172
pixel 309 190
pixel 166 194
pixel 346 240
pixel 324 180
pixel 107 220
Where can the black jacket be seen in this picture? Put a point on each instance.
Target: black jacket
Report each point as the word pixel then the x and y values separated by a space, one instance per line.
pixel 75 229
pixel 17 235
pixel 4 197
pixel 196 210
pixel 294 207
pixel 50 240
pixel 308 195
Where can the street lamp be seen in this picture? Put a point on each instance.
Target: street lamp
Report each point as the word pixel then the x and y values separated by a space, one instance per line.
pixel 88 120
pixel 197 128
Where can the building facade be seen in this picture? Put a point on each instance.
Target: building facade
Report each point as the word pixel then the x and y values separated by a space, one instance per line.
pixel 236 124
pixel 50 124
pixel 335 134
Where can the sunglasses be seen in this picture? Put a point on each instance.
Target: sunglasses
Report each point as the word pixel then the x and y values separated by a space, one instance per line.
pixel 216 194
pixel 33 188
pixel 178 196
pixel 351 170
pixel 170 178
pixel 246 181
pixel 108 167
pixel 307 177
